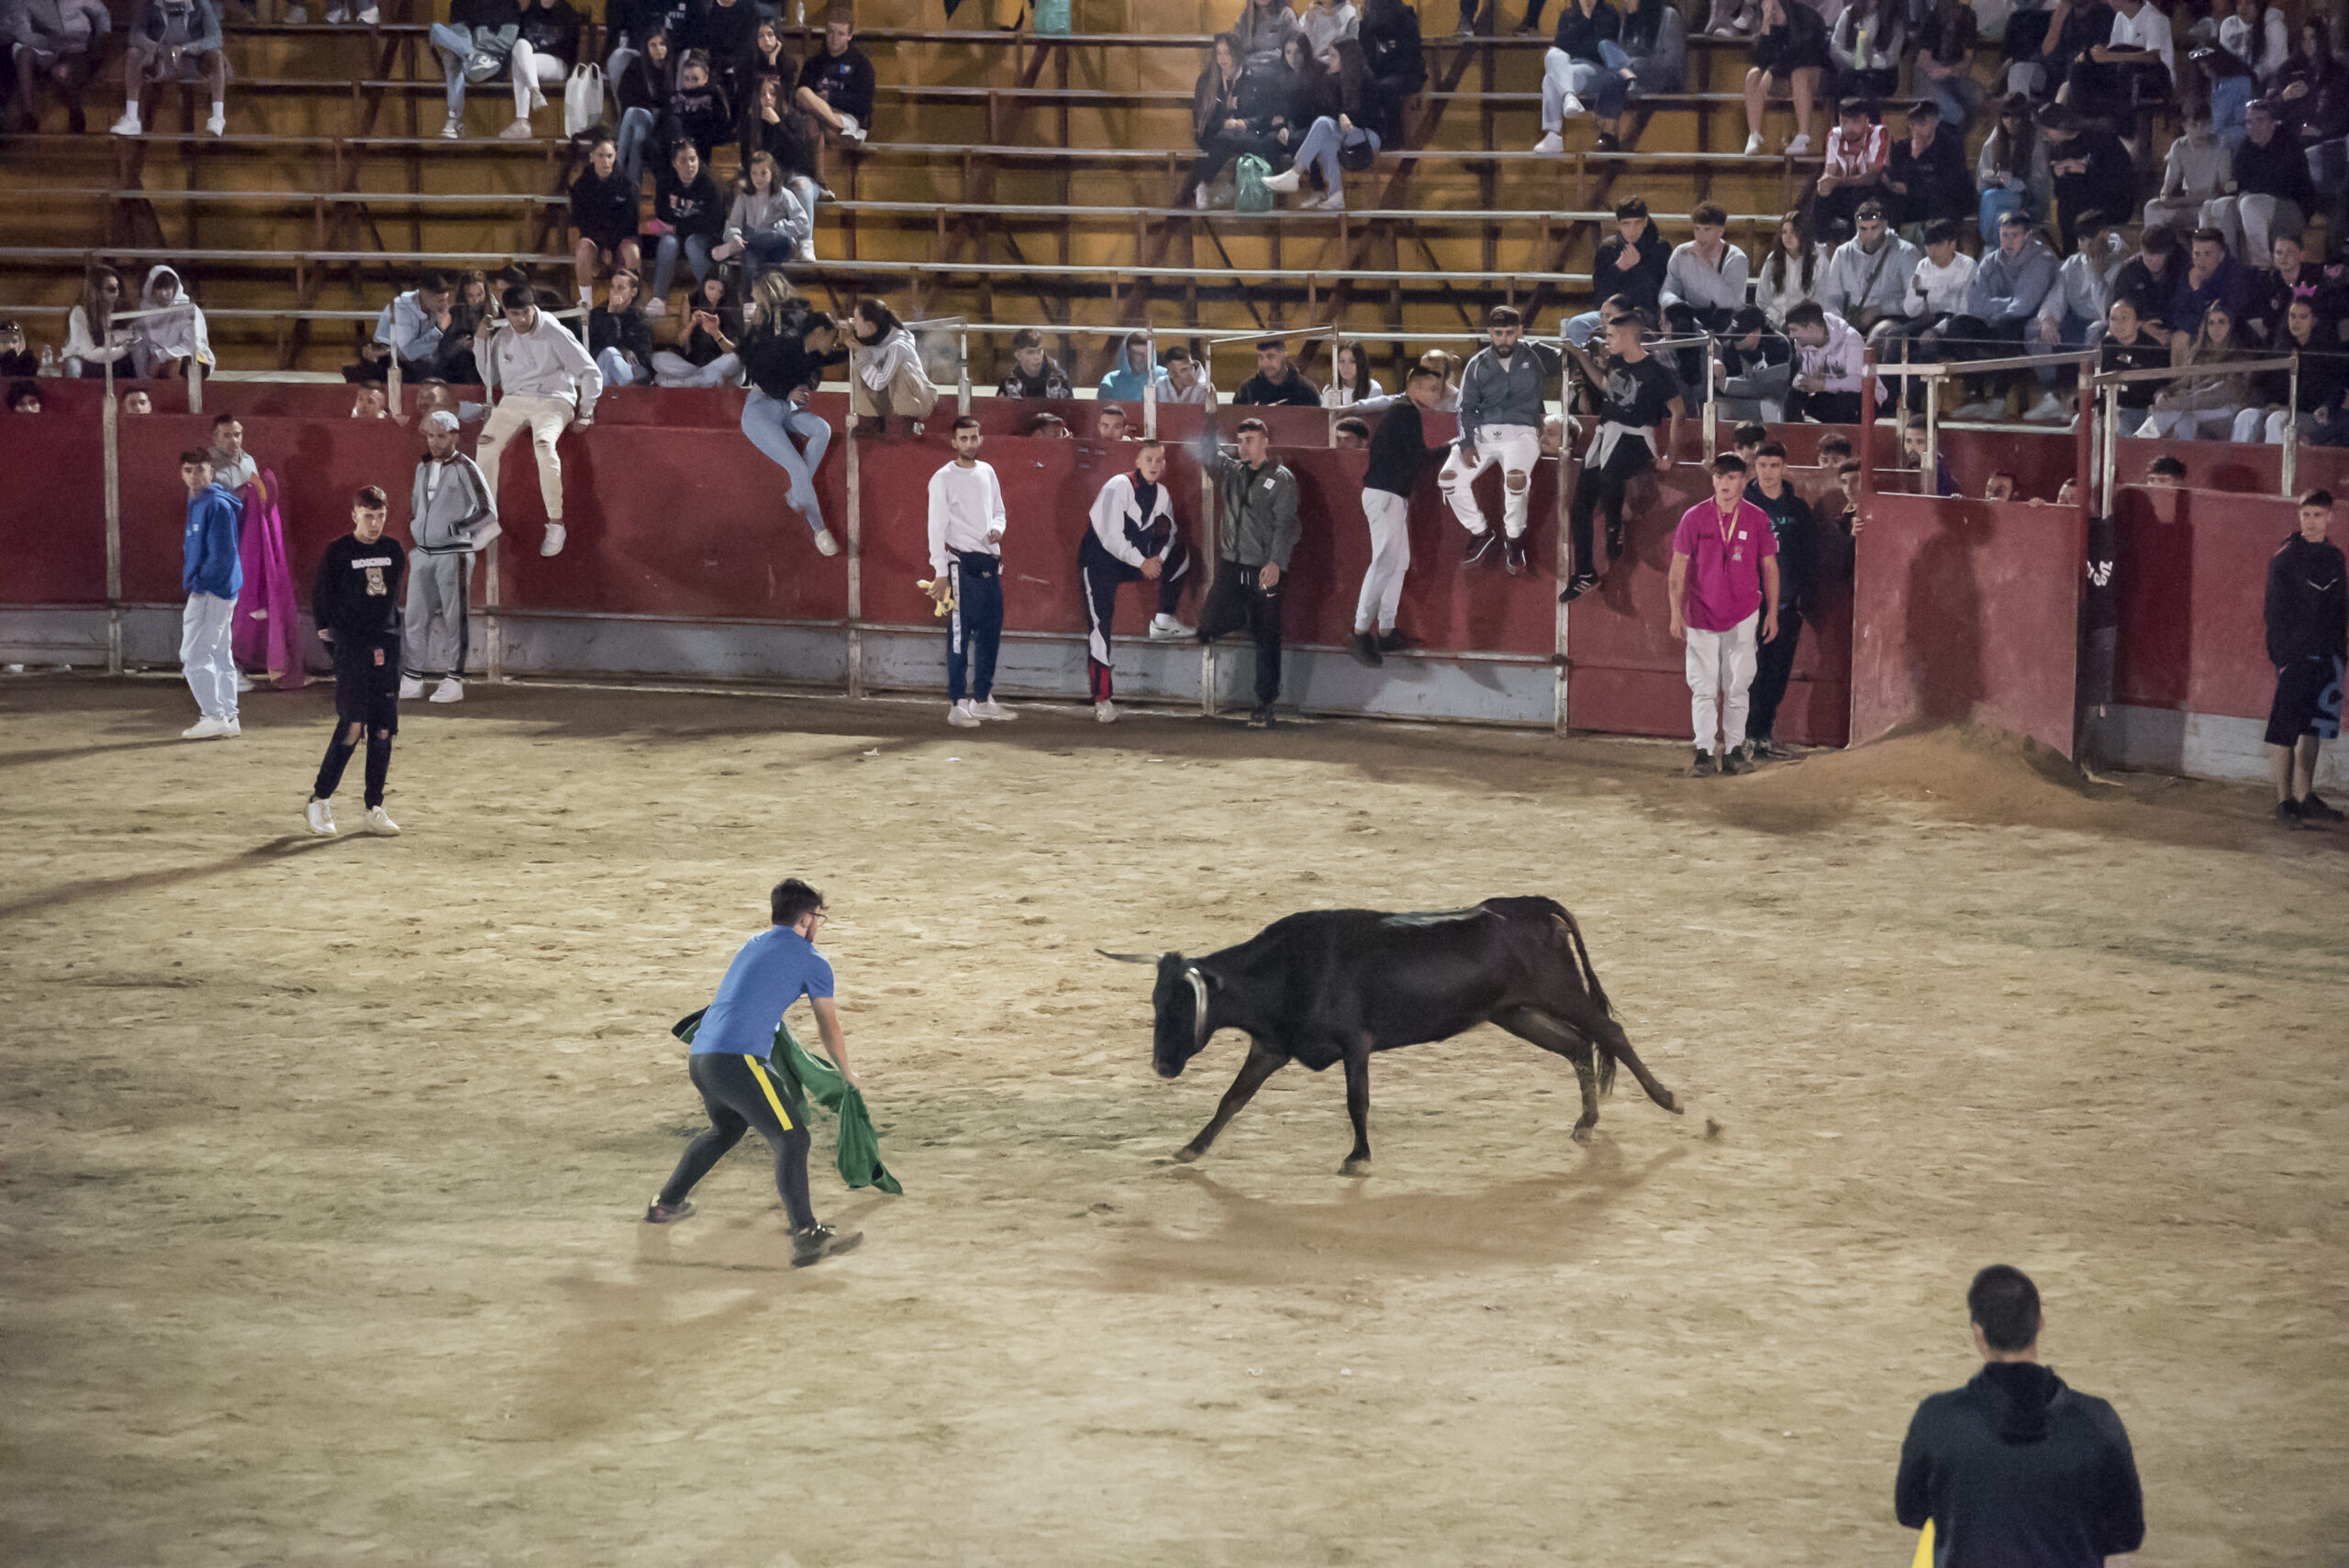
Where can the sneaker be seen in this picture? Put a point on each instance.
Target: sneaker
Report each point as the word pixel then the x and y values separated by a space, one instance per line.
pixel 825 543
pixel 2289 815
pixel 1166 628
pixel 1393 641
pixel 1480 547
pixel 128 124
pixel 1581 584
pixel 520 131
pixel 1572 107
pixel 1285 182
pixel 208 729
pixel 2315 808
pixel 410 688
pixel 217 123
pixel 1367 652
pixel 659 1213
pixel 338 14
pixel 244 683
pixel 807 252
pixel 451 129
pixel 1552 142
pixel 369 14
pixel 2151 430
pixel 1199 197
pixel 655 307
pixel 379 822
pixel 1980 412
pixel 1513 557
pixel 297 15
pixel 1798 146
pixel 1754 140
pixel 1735 761
pixel 1105 712
pixel 451 689
pixel 320 816
pixel 2048 408
pixel 1706 766
pixel 1261 716
pixel 993 709
pixel 1322 203
pixel 817 1242
pixel 552 543
pixel 538 99
pixel 960 715
pixel 1766 748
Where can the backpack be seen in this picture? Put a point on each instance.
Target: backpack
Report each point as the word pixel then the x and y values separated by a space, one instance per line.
pixel 1248 192
pixel 1052 18
pixel 583 99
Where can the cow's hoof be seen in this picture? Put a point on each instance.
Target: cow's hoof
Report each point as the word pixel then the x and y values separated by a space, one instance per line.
pixel 1186 1154
pixel 1354 1168
pixel 1582 1132
pixel 1675 1104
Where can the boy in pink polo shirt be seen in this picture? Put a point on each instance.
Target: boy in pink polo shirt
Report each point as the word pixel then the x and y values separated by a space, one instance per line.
pixel 1724 582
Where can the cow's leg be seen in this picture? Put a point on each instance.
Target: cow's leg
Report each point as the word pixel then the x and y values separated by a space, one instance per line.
pixel 1549 1034
pixel 1262 1063
pixel 1358 1105
pixel 1588 1017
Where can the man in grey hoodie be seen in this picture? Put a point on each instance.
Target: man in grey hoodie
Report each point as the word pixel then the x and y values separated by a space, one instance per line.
pixel 2008 287
pixel 1867 278
pixel 1256 497
pixel 1503 400
pixel 451 517
pixel 549 385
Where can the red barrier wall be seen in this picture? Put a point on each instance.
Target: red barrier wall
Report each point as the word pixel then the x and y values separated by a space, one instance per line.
pixel 2193 586
pixel 1967 610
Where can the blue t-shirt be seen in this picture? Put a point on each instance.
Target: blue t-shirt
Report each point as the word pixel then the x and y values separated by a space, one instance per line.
pixel 773 970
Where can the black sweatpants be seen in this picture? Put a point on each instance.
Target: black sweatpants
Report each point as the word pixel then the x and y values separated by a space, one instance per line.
pixel 367 693
pixel 739 1093
pixel 1773 664
pixel 1235 601
pixel 1605 486
pixel 1103 574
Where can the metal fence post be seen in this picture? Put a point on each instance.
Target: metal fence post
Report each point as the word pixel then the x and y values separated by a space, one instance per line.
pixel 2292 429
pixel 1150 389
pixel 114 528
pixel 1565 564
pixel 962 370
pixel 855 564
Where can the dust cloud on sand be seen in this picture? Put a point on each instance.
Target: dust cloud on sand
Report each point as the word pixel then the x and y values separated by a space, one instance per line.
pixel 324 1160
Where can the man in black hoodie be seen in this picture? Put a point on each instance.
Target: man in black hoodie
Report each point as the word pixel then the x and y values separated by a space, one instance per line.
pixel 2015 1469
pixel 2308 637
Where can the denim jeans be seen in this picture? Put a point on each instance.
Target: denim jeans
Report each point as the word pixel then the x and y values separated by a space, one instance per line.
pixel 770 423
pixel 664 261
pixel 634 135
pixel 1318 150
pixel 617 370
pixel 455 46
pixel 1997 202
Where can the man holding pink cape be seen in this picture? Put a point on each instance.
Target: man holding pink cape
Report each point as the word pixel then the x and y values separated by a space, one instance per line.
pixel 266 611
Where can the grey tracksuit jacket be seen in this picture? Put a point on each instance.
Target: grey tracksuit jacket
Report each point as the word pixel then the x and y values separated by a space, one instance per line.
pixel 444 518
pixel 1514 393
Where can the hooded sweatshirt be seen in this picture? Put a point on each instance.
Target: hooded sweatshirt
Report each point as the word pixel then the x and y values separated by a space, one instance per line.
pixel 2017 1470
pixel 2012 288
pixel 180 335
pixel 447 504
pixel 1860 280
pixel 57 26
pixel 189 25
pixel 2308 603
pixel 208 561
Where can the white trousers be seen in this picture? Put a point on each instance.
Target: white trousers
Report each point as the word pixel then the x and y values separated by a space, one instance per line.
pixel 1515 447
pixel 545 419
pixel 1390 558
pixel 2250 223
pixel 531 70
pixel 2213 424
pixel 2250 422
pixel 205 629
pixel 1720 674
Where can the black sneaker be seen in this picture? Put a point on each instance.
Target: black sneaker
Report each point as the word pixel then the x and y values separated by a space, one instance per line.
pixel 659 1213
pixel 1513 557
pixel 1766 749
pixel 1367 652
pixel 817 1242
pixel 1706 767
pixel 1583 582
pixel 2315 808
pixel 1614 538
pixel 1480 547
pixel 1261 718
pixel 2289 815
pixel 1395 642
pixel 1735 761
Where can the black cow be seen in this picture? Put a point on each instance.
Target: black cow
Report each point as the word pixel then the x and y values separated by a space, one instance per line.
pixel 1337 985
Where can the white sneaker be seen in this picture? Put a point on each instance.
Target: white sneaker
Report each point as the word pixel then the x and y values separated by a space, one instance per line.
pixel 1798 146
pixel 851 131
pixel 338 14
pixel 451 689
pixel 379 822
pixel 2151 430
pixel 451 129
pixel 552 543
pixel 207 729
pixel 1105 712
pixel 410 688
pixel 320 813
pixel 993 709
pixel 1166 628
pixel 369 14
pixel 1572 106
pixel 1976 413
pixel 1752 143
pixel 128 124
pixel 655 306
pixel 1285 182
pixel 520 131
pixel 297 15
pixel 807 252
pixel 1199 197
pixel 961 714
pixel 826 544
pixel 2049 406
pixel 1551 142
pixel 217 123
pixel 244 682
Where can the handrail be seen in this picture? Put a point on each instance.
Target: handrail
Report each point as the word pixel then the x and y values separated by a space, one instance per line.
pixel 2172 372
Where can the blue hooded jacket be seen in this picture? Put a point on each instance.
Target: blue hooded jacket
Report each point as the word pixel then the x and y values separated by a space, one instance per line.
pixel 208 553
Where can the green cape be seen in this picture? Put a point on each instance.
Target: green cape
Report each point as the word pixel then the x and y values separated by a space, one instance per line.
pixel 859 1154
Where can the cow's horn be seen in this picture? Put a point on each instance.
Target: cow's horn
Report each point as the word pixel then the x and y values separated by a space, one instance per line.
pixel 1126 957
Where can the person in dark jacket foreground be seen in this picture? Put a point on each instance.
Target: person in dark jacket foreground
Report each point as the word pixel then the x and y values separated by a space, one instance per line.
pixel 2015 1469
pixel 2308 641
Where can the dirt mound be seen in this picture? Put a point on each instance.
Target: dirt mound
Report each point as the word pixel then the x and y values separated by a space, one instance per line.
pixel 1971 772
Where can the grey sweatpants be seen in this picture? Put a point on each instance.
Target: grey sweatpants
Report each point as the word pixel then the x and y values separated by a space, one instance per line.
pixel 435 642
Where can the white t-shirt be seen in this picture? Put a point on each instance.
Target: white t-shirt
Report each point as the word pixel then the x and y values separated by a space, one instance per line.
pixel 1940 291
pixel 2149 28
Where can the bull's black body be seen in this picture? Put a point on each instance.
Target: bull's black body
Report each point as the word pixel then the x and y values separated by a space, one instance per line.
pixel 1339 985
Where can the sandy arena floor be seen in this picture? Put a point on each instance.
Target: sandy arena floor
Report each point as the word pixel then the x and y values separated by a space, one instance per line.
pixel 323 1160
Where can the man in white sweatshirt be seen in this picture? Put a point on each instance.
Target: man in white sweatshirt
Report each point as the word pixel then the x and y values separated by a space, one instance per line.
pixel 1827 375
pixel 966 524
pixel 549 383
pixel 1134 539
pixel 1935 296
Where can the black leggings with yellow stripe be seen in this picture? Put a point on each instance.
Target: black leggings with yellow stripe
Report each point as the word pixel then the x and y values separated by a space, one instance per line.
pixel 739 1094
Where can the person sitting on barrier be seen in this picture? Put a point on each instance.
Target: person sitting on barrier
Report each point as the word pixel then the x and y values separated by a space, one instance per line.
pixel 174 333
pixel 24 396
pixel 2198 170
pixel 474 45
pixel 1034 373
pixel 1134 539
pixel 1135 373
pixel 2307 615
pixel 2072 316
pixel 707 340
pixel 2322 369
pixel 1187 380
pixel 603 202
pixel 2009 287
pixel 2201 406
pixel 640 90
pixel 1913 455
pixel 2165 473
pixel 836 88
pixel 173 41
pixel 771 126
pixel 1790 55
pixel 2127 347
pixel 966 530
pixel 688 217
pixel 1999 486
pixel 1827 379
pixel 1399 455
pixel 544 48
pixel 785 349
pixel 551 384
pixel 1350 434
pixel 1706 276
pixel 886 376
pixel 1796 530
pixel 1724 565
pixel 1344 135
pixel 1277 383
pixel 1445 366
pixel 1586 59
pixel 1109 424
pixel 1867 282
pixel 767 225
pixel 1351 381
pixel 1630 395
pixel 1630 262
pixel 1753 374
pixel 1504 394
pixel 618 335
pixel 1257 499
pixel 60 42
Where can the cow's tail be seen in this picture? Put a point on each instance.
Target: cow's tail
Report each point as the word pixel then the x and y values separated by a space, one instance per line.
pixel 1565 920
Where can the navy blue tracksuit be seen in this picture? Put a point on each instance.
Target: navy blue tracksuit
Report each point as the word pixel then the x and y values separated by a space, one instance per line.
pixel 975 625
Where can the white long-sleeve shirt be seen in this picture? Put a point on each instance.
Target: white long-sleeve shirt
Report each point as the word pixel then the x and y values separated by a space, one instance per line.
pixel 879 364
pixel 966 507
pixel 1115 510
pixel 546 362
pixel 2149 28
pixel 1838 359
pixel 1689 279
pixel 1940 291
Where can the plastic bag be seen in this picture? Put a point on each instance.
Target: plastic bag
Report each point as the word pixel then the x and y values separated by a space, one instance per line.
pixel 583 99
